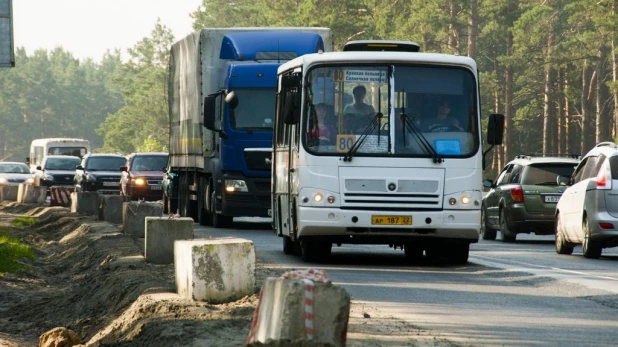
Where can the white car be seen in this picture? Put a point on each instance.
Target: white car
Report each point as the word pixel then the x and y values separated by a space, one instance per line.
pixel 587 212
pixel 14 174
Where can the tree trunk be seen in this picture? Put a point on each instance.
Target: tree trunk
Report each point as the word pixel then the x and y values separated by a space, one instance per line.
pixel 549 108
pixel 508 101
pixel 615 90
pixel 563 113
pixel 603 98
pixel 453 37
pixel 587 134
pixel 473 28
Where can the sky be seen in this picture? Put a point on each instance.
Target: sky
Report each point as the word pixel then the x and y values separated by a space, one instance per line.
pixel 88 28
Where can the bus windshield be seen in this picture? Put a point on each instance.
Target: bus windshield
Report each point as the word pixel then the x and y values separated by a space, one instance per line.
pixel 391 110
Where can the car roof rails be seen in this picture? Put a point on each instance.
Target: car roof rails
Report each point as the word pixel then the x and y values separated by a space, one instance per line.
pixel 530 156
pixel 607 143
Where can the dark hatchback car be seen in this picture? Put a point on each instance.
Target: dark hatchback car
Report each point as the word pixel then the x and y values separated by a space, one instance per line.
pixel 141 177
pixel 99 171
pixel 524 196
pixel 56 170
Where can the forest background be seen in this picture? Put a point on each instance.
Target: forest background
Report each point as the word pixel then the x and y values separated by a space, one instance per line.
pixel 549 66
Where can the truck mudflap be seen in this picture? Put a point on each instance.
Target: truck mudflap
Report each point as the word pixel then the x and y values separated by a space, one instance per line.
pixel 249 200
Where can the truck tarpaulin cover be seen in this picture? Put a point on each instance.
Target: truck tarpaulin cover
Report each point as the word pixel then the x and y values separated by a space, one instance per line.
pixel 7 57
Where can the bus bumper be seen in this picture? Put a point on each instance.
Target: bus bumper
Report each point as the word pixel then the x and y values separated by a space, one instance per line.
pixel 355 226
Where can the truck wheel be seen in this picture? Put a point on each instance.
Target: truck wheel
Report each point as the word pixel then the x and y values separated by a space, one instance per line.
pixel 183 195
pixel 218 220
pixel 203 216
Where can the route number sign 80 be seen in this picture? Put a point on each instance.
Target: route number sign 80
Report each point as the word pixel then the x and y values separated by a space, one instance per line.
pixel 345 142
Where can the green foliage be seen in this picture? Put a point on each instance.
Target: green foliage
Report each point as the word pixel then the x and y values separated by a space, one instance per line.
pixel 22 222
pixel 12 253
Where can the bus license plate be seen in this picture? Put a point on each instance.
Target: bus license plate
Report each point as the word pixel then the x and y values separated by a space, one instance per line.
pixel 552 198
pixel 391 220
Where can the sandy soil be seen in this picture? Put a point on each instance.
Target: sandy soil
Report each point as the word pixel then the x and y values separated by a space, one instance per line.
pixel 92 279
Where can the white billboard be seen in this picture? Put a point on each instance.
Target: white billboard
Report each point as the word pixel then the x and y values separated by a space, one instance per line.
pixel 7 56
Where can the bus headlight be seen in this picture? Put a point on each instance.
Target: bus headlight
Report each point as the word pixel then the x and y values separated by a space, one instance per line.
pixel 468 200
pixel 318 197
pixel 236 186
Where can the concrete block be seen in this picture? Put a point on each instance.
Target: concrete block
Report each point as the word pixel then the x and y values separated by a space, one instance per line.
pixel 8 193
pixel 85 202
pixel 281 314
pixel 29 194
pixel 60 196
pixel 215 270
pixel 161 232
pixel 110 208
pixel 134 214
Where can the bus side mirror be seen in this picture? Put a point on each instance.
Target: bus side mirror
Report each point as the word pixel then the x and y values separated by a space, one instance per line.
pixel 210 103
pixel 231 99
pixel 291 81
pixel 291 111
pixel 495 129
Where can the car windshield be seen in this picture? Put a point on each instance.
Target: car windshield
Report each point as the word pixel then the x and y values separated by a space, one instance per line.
pixel 105 163
pixel 14 168
pixel 61 163
pixel 391 110
pixel 255 110
pixel 149 163
pixel 546 174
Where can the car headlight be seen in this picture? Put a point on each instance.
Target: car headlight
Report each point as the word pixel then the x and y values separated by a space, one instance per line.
pixel 139 181
pixel 30 181
pixel 91 178
pixel 3 180
pixel 236 186
pixel 48 177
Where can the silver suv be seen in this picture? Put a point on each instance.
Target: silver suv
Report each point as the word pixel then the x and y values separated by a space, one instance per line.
pixel 587 212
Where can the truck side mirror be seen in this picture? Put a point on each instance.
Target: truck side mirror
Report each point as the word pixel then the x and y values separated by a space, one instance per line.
pixel 210 107
pixel 495 129
pixel 291 111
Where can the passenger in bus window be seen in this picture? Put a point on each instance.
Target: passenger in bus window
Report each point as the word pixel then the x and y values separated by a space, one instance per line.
pixel 441 120
pixel 359 107
pixel 324 129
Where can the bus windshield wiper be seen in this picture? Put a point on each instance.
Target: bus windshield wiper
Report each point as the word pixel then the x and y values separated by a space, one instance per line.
pixel 375 122
pixel 420 138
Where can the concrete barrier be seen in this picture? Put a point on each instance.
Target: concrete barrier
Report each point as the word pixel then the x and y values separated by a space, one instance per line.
pixel 8 193
pixel 134 214
pixel 85 202
pixel 60 196
pixel 161 232
pixel 29 194
pixel 215 270
pixel 110 208
pixel 300 312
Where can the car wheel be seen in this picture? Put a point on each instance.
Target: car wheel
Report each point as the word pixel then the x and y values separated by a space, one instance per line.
pixel 591 249
pixel 507 234
pixel 561 246
pixel 486 232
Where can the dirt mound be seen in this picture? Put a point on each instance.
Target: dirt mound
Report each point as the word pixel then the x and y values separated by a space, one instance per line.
pixel 92 279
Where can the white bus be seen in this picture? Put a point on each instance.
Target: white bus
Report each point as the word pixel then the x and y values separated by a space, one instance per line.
pixel 384 177
pixel 40 148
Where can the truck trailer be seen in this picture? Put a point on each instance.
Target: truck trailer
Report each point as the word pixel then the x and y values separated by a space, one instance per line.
pixel 222 171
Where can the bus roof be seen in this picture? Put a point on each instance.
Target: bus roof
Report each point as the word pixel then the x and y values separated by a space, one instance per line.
pixel 59 140
pixel 378 58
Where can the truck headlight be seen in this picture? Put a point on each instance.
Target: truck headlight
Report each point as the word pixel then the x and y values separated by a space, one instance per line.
pixel 139 181
pixel 236 186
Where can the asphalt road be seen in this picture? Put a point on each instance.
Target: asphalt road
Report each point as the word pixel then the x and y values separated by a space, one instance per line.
pixel 509 294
